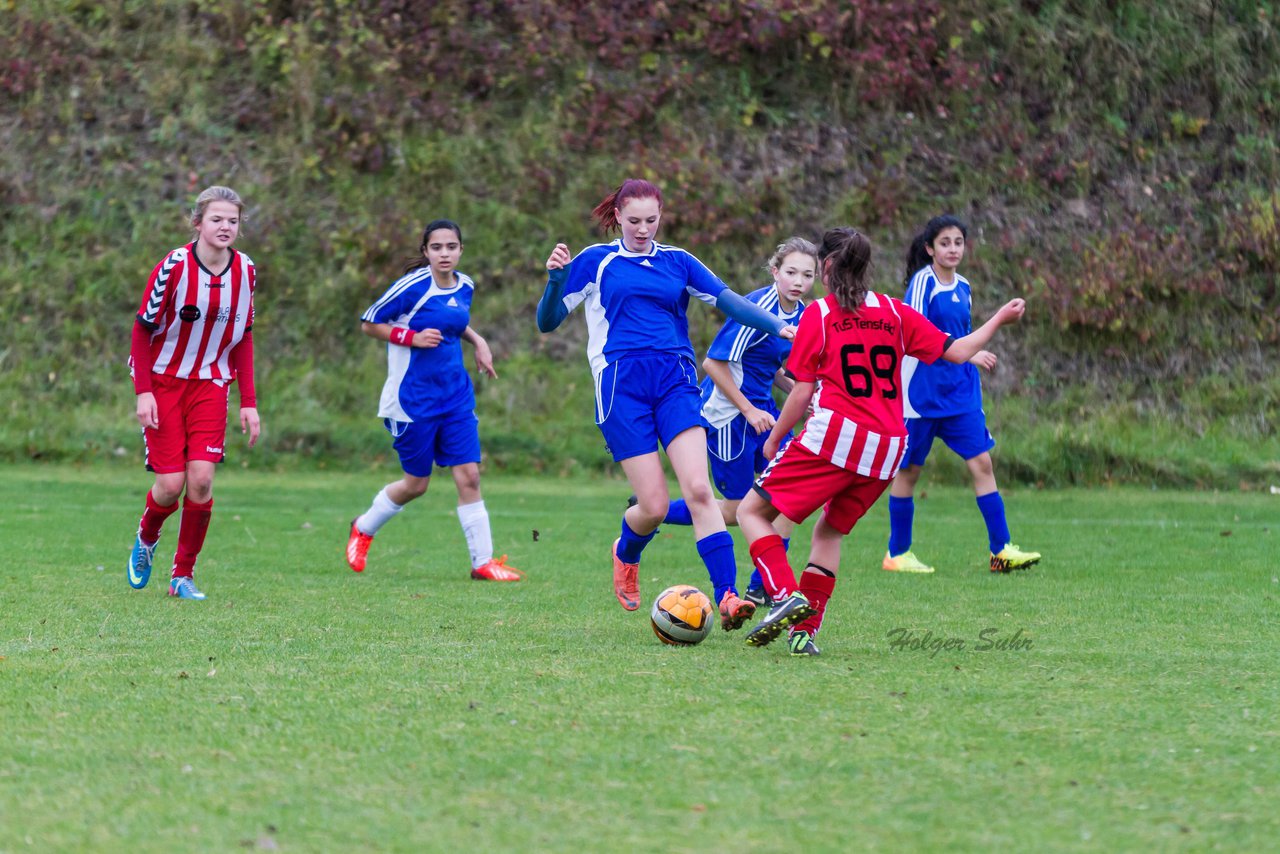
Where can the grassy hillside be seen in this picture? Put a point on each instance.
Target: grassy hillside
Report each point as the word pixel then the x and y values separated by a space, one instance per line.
pixel 1117 163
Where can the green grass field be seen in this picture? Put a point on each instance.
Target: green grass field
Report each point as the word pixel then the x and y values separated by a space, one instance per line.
pixel 307 708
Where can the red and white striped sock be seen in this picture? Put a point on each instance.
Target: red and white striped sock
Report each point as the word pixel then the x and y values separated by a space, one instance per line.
pixel 770 557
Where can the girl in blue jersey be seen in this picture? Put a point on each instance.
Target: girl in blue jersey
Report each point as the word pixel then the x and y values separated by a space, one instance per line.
pixel 428 402
pixel 944 401
pixel 738 409
pixel 636 293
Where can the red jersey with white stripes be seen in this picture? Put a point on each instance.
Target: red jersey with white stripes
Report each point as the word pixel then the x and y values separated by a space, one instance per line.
pixel 197 316
pixel 853 358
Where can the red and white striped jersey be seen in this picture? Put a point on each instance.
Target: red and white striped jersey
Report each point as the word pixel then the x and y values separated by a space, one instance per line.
pixel 197 316
pixel 852 358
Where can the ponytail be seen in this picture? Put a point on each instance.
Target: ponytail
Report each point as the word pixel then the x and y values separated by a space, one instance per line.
pixel 606 213
pixel 845 262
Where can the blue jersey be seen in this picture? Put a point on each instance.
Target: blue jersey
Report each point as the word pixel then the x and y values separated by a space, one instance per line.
pixel 942 388
pixel 424 382
pixel 754 358
pixel 636 302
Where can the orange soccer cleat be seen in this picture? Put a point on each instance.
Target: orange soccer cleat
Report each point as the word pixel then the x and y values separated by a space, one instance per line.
pixel 497 570
pixel 626 580
pixel 734 611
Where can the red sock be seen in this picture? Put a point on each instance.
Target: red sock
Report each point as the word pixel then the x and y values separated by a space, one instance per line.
pixel 770 556
pixel 191 531
pixel 153 517
pixel 816 584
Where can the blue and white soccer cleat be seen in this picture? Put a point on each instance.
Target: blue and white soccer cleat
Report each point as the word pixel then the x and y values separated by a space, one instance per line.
pixel 140 562
pixel 183 587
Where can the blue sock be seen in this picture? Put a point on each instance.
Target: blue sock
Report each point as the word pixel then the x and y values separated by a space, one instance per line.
pixel 902 512
pixel 992 507
pixel 757 583
pixel 678 513
pixel 631 544
pixel 716 552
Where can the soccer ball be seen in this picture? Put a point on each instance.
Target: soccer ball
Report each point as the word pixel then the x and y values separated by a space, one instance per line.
pixel 681 615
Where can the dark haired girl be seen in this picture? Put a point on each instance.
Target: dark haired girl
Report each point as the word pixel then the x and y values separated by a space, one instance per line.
pixel 428 402
pixel 944 401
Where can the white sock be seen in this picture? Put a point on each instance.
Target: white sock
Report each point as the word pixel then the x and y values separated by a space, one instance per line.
pixel 475 526
pixel 378 514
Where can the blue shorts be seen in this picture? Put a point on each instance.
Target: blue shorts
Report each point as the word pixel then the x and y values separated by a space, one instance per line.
pixel 644 399
pixel 737 456
pixel 452 439
pixel 965 434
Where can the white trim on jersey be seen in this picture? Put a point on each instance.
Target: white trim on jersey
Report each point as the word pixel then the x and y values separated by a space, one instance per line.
pixel 746 333
pixel 151 313
pixel 707 298
pixel 397 367
pixel 719 410
pixel 403 283
pixel 597 321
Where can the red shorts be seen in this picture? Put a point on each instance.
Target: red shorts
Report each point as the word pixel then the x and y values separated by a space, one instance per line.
pixel 193 423
pixel 799 481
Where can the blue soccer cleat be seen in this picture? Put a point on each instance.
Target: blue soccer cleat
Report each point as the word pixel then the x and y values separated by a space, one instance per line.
pixel 183 587
pixel 140 562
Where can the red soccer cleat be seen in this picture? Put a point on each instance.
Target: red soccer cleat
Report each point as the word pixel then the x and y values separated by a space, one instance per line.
pixel 357 547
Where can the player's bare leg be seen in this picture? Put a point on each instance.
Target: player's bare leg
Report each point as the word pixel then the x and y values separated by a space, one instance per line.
pixel 387 503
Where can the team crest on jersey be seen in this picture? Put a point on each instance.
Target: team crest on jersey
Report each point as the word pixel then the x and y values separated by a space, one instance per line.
pixel 189 313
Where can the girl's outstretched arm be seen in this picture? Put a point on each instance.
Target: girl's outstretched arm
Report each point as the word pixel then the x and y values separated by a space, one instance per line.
pixel 964 349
